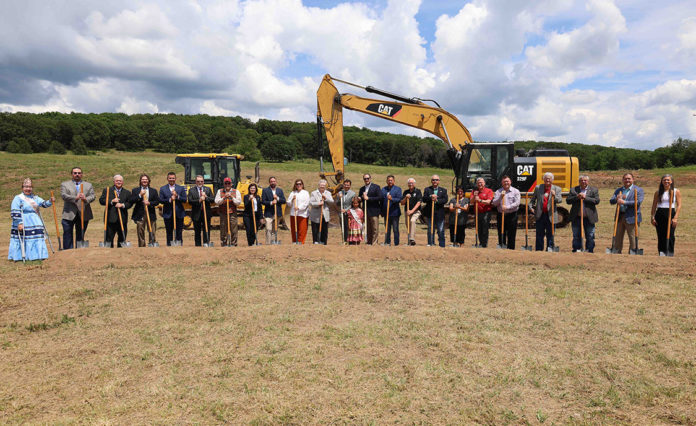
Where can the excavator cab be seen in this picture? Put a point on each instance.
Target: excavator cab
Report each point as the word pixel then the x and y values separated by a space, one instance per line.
pixel 490 161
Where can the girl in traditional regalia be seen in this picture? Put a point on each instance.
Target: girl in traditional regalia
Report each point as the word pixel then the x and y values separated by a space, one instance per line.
pixel 27 235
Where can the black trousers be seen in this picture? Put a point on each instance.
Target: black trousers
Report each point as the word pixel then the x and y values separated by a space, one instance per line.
pixel 198 229
pixel 169 228
pixel 461 233
pixel 316 236
pixel 113 230
pixel 68 226
pixel 251 233
pixel 484 221
pixel 507 235
pixel 661 228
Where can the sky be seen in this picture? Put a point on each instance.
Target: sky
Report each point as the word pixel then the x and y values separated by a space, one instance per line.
pixel 616 73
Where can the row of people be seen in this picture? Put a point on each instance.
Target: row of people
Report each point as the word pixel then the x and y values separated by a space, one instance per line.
pixel 360 213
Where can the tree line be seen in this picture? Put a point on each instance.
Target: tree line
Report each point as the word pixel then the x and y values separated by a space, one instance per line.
pixel 277 140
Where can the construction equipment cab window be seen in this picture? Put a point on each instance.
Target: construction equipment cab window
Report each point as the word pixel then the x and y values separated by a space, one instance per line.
pixel 488 161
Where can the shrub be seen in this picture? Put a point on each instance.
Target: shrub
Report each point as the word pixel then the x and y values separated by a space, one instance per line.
pixel 57 148
pixel 79 147
pixel 19 146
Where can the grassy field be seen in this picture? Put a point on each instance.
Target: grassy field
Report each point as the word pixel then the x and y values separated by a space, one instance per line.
pixel 334 334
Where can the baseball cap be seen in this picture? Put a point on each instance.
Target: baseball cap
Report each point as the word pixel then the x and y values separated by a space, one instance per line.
pixel 227 180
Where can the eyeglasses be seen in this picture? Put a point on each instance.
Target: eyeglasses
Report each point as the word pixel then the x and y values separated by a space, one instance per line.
pixel 366 178
pixel 77 173
pixel 434 180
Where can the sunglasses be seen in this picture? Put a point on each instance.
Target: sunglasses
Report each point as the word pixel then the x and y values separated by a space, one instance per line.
pixel 434 180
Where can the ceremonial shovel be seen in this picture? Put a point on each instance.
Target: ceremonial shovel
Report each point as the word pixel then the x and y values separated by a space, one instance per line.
pixel 228 238
pixel 297 231
pixel 431 237
pixel 554 248
pixel 174 242
pixel 386 225
pixel 22 235
pixel 637 251
pixel 456 216
pixel 667 252
pixel 83 243
pixel 526 223
pixel 205 221
pixel 153 243
pixel 125 244
pixel 252 200
pixel 275 225
pixel 612 250
pixel 502 244
pixel 106 210
pixel 55 220
pixel 476 237
pixel 582 226
pixel 321 221
pixel 48 237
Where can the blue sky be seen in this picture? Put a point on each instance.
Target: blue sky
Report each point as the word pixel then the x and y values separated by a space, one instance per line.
pixel 604 72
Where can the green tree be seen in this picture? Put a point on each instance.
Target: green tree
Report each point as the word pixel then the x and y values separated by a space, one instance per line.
pixel 57 148
pixel 278 148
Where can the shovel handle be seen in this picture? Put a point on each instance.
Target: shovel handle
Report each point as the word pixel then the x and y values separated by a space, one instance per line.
pixel 635 211
pixel 669 218
pixel 82 213
pixel 55 218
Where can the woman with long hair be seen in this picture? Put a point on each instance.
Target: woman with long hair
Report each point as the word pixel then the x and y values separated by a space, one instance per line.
pixel 27 237
pixel 252 215
pixel 667 198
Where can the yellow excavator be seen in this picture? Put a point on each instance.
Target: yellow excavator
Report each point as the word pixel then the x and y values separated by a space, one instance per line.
pixel 469 160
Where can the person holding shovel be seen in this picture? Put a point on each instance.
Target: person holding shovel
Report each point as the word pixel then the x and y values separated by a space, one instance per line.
pixel 481 199
pixel 507 202
pixel 200 197
pixel 391 197
pixel 434 200
pixel 298 200
pixel 77 196
pixel 227 199
pixel 272 198
pixel 117 201
pixel 544 210
pixel 252 215
pixel 27 236
pixel 411 200
pixel 355 222
pixel 172 197
pixel 371 195
pixel 458 216
pixel 666 203
pixel 320 214
pixel 144 199
pixel 588 197
pixel 344 202
pixel 630 215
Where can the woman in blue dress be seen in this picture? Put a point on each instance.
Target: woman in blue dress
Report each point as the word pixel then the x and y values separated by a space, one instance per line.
pixel 27 226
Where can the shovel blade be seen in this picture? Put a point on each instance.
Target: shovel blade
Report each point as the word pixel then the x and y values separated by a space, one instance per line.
pixel 611 250
pixel 105 244
pixel 638 252
pixel 153 245
pixel 501 246
pixel 526 248
pixel 670 254
pixel 553 249
pixel 126 244
pixel 82 244
pixel 176 243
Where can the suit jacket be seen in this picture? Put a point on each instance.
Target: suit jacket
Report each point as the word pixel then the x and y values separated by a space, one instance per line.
pixel 267 199
pixel 71 207
pixel 165 198
pixel 394 210
pixel 139 208
pixel 630 203
pixel 590 203
pixel 439 202
pixel 124 198
pixel 194 199
pixel 538 200
pixel 374 201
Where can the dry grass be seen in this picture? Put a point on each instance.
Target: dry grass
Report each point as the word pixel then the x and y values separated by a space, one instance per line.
pixel 351 334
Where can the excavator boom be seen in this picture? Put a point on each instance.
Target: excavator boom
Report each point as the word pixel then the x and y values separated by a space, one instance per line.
pixel 409 111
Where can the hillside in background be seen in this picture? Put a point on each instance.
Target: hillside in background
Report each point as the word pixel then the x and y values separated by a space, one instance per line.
pixel 277 140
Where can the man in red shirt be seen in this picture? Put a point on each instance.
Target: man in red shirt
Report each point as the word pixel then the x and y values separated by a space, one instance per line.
pixel 481 199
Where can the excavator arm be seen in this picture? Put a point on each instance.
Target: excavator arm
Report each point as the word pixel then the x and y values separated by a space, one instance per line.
pixel 408 111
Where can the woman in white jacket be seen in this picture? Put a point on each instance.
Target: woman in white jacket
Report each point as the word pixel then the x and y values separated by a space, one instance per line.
pixel 298 201
pixel 320 214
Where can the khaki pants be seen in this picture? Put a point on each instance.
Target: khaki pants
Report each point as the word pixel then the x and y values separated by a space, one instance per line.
pixel 372 223
pixel 142 230
pixel 412 226
pixel 233 228
pixel 271 234
pixel 630 229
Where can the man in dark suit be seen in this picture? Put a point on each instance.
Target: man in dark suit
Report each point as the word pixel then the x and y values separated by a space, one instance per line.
pixel 273 199
pixel 143 197
pixel 173 195
pixel 372 194
pixel 590 198
pixel 117 201
pixel 200 197
pixel 434 199
pixel 72 207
